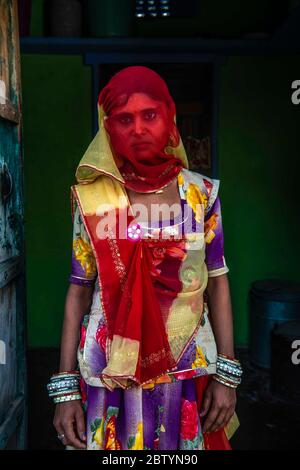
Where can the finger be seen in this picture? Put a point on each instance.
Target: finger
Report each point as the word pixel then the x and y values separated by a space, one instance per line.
pixel 219 421
pixel 80 425
pixel 60 431
pixel 228 416
pixel 206 404
pixel 61 435
pixel 211 417
pixel 71 437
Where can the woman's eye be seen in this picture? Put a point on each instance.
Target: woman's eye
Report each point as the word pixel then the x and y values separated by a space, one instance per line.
pixel 150 115
pixel 125 119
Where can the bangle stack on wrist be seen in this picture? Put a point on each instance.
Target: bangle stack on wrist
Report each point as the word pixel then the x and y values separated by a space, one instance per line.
pixel 64 386
pixel 229 371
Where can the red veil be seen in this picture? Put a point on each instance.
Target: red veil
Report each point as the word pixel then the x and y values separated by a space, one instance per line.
pixel 158 171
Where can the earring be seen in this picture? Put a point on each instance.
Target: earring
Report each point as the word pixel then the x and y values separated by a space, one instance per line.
pixel 172 141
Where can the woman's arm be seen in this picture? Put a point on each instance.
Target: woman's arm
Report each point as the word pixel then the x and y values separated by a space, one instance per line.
pixel 69 416
pixel 219 400
pixel 78 303
pixel 219 306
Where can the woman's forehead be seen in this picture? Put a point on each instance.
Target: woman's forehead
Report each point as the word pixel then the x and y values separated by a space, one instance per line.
pixel 137 102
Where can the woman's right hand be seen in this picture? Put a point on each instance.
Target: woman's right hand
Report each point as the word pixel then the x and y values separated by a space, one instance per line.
pixel 69 421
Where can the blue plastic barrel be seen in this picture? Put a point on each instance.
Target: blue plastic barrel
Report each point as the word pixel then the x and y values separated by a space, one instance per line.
pixel 271 302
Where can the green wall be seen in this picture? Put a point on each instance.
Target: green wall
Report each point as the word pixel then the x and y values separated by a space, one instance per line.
pixel 258 168
pixel 57 129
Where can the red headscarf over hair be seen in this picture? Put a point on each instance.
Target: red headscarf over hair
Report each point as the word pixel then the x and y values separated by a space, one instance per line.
pixel 164 167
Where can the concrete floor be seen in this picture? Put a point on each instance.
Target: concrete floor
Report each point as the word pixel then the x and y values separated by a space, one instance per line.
pixel 266 423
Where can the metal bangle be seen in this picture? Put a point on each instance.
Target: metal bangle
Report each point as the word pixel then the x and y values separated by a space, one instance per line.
pixel 67 395
pixel 64 392
pixel 51 390
pixel 234 368
pixel 229 363
pixel 230 370
pixel 62 384
pixel 218 379
pixel 67 398
pixel 228 359
pixel 66 372
pixel 228 374
pixel 64 377
pixel 233 380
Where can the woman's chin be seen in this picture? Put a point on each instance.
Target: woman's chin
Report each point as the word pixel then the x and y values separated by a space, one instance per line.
pixel 144 156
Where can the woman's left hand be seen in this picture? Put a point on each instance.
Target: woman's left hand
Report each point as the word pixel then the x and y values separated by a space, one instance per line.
pixel 218 406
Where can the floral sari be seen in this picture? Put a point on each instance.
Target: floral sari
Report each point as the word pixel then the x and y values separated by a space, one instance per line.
pixel 163 413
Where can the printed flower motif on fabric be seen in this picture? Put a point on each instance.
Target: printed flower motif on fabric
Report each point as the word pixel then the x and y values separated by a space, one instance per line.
pixel 111 441
pixel 84 255
pixel 180 179
pixel 208 186
pixel 101 336
pixel 196 200
pixel 104 430
pixel 209 228
pixel 160 427
pixel 190 278
pixel 190 431
pixel 83 389
pixel 200 359
pixel 83 330
pixel 136 442
pixel 163 249
pixel 97 430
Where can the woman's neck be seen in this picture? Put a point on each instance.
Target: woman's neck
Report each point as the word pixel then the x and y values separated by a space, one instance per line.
pixel 169 196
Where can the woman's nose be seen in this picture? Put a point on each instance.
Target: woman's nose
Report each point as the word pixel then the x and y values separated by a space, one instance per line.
pixel 138 126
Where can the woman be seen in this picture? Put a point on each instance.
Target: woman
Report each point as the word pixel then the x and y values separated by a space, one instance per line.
pixel 149 292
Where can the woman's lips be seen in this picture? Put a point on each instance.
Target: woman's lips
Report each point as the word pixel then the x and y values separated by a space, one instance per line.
pixel 141 144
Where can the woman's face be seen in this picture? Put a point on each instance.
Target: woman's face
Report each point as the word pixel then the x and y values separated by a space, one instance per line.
pixel 140 128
